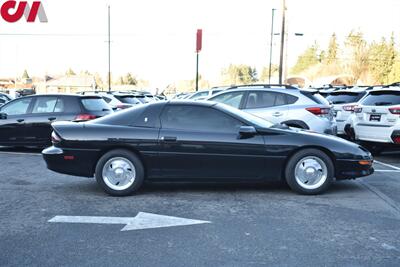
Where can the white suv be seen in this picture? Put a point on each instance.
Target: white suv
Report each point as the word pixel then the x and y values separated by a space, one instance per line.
pixel 377 118
pixel 305 109
pixel 344 102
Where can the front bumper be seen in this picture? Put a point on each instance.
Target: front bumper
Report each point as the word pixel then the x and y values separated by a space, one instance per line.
pixel 351 169
pixel 71 161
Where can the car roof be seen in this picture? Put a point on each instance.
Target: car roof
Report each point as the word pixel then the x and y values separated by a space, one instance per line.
pixel 192 102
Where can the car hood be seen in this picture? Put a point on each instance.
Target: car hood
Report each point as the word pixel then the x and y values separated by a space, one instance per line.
pixel 340 147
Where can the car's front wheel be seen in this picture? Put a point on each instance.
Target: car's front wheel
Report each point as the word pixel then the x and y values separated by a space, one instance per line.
pixel 309 172
pixel 119 172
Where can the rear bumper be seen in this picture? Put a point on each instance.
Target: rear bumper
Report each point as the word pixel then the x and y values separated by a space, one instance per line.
pixel 374 133
pixel 351 169
pixel 71 161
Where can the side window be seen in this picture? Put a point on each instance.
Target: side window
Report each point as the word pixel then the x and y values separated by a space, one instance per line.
pixel 232 99
pixel 260 99
pixel 60 106
pixel 195 118
pixel 291 99
pixel 108 100
pixel 18 107
pixel 45 104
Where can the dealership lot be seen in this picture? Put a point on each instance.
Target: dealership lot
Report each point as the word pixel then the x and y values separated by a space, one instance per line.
pixel 356 223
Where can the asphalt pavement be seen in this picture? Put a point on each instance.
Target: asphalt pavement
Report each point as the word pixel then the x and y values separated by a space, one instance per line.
pixel 356 223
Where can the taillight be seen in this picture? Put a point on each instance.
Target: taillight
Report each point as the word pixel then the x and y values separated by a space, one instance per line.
pixel 358 109
pixel 55 138
pixel 349 108
pixel 85 117
pixel 319 111
pixel 395 111
pixel 396 139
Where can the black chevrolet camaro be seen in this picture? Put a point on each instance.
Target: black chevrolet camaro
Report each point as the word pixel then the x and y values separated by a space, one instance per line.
pixel 200 141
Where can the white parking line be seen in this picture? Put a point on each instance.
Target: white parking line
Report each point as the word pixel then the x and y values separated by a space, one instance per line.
pixel 19 153
pixel 390 171
pixel 387 165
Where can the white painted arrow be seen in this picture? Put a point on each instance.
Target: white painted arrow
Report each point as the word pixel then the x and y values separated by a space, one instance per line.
pixel 141 221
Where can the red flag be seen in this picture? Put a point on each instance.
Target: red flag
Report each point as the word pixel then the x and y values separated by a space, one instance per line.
pixel 199 40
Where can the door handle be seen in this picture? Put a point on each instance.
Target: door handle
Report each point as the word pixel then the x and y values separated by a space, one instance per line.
pixel 169 139
pixel 20 120
pixel 52 119
pixel 277 114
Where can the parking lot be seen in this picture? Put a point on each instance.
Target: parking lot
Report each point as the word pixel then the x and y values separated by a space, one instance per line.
pixel 356 223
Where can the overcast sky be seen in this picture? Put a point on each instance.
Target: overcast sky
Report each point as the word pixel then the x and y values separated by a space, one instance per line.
pixel 155 39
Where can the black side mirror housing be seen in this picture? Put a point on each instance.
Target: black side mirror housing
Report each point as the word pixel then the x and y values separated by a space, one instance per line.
pixel 247 131
pixel 3 116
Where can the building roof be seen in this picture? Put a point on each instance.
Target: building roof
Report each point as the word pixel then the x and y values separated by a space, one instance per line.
pixel 72 81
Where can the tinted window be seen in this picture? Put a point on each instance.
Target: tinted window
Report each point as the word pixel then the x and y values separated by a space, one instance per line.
pixel 199 94
pixel 95 104
pixel 382 98
pixel 260 99
pixel 291 99
pixel 345 97
pixel 17 107
pixel 60 106
pixel 108 100
pixel 129 99
pixel 232 99
pixel 193 118
pixel 44 104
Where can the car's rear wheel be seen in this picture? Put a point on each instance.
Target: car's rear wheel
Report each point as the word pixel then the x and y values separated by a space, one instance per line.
pixel 309 172
pixel 119 172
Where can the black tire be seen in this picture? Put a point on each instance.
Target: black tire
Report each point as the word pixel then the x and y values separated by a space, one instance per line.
pixel 126 155
pixel 297 158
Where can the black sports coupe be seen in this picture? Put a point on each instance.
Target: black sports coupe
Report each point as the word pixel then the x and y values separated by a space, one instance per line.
pixel 200 141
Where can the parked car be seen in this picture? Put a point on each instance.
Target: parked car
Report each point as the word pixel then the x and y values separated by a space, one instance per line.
pixel 200 141
pixel 26 121
pixel 377 120
pixel 117 100
pixel 4 98
pixel 344 102
pixel 26 92
pixel 304 109
pixel 201 95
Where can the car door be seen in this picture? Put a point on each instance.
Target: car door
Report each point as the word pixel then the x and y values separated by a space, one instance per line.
pixel 12 126
pixel 200 142
pixel 268 105
pixel 46 109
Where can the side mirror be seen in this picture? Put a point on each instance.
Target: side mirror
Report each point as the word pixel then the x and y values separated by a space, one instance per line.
pixel 3 116
pixel 247 131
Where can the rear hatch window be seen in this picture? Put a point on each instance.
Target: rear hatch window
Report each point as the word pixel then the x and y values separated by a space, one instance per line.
pixel 128 99
pixel 382 98
pixel 95 104
pixel 345 97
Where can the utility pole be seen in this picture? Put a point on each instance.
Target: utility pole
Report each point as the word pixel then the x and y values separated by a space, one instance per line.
pixel 270 48
pixel 109 49
pixel 282 41
pixel 197 71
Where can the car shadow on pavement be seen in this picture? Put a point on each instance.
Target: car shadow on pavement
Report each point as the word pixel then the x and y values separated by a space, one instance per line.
pixel 90 187
pixel 28 150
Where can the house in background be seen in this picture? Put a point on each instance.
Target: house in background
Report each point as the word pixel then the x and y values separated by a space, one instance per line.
pixel 68 84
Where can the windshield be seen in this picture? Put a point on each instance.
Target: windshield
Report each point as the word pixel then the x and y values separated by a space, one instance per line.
pixel 257 121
